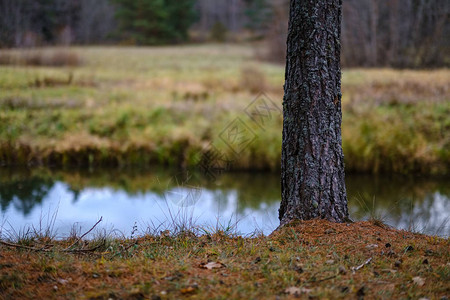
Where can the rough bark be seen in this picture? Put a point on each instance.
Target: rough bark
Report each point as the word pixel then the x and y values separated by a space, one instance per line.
pixel 312 162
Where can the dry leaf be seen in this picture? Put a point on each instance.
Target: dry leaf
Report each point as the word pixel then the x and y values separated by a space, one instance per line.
pixel 188 290
pixel 297 291
pixel 293 290
pixel 62 281
pixel 372 246
pixel 419 281
pixel 212 265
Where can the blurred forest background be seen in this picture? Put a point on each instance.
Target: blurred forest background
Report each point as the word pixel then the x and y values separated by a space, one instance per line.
pixel 396 33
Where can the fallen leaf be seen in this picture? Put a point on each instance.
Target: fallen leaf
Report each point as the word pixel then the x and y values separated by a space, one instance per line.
pixel 293 290
pixel 62 281
pixel 297 291
pixel 419 280
pixel 188 290
pixel 212 265
pixel 372 246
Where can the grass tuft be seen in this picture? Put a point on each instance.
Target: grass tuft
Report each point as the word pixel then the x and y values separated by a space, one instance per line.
pixel 38 58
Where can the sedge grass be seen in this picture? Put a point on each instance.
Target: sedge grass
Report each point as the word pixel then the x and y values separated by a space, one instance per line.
pixel 165 105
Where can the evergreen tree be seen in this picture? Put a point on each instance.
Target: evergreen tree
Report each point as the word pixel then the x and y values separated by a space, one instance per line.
pixel 182 16
pixel 150 22
pixel 259 15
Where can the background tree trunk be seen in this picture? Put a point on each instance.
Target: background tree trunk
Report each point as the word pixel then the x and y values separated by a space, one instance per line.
pixel 312 162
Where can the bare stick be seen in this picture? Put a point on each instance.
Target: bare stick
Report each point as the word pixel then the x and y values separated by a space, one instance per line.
pixel 79 239
pixel 13 245
pixel 22 246
pixel 82 250
pixel 327 278
pixel 354 269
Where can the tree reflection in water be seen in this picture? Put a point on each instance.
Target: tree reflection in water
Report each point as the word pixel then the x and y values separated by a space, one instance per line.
pixel 421 204
pixel 24 194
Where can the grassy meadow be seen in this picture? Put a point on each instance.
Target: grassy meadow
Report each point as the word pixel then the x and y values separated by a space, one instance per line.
pixel 119 106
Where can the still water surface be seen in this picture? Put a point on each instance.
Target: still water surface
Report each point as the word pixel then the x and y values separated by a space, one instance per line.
pixel 249 201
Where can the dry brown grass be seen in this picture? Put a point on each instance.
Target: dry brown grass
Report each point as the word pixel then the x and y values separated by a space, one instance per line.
pixel 311 259
pixel 253 79
pixel 38 58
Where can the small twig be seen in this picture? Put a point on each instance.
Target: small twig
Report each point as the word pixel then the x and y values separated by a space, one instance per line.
pixel 82 250
pixel 327 278
pixel 48 250
pixel 45 249
pixel 23 247
pixel 79 239
pixel 354 269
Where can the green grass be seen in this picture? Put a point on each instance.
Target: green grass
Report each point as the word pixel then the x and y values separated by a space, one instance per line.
pixel 165 105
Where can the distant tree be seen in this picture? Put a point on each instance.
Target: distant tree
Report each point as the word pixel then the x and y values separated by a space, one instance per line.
pixel 259 16
pixel 396 33
pixel 312 161
pixel 11 15
pixel 96 21
pixel 182 15
pixel 151 22
pixel 229 14
pixel 33 22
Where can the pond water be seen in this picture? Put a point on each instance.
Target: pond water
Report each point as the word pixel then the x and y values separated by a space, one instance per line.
pixel 248 202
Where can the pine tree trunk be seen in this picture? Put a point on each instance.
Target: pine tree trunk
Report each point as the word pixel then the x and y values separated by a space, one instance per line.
pixel 312 161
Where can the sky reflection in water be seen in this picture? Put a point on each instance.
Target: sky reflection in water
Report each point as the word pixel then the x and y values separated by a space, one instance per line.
pixel 248 200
